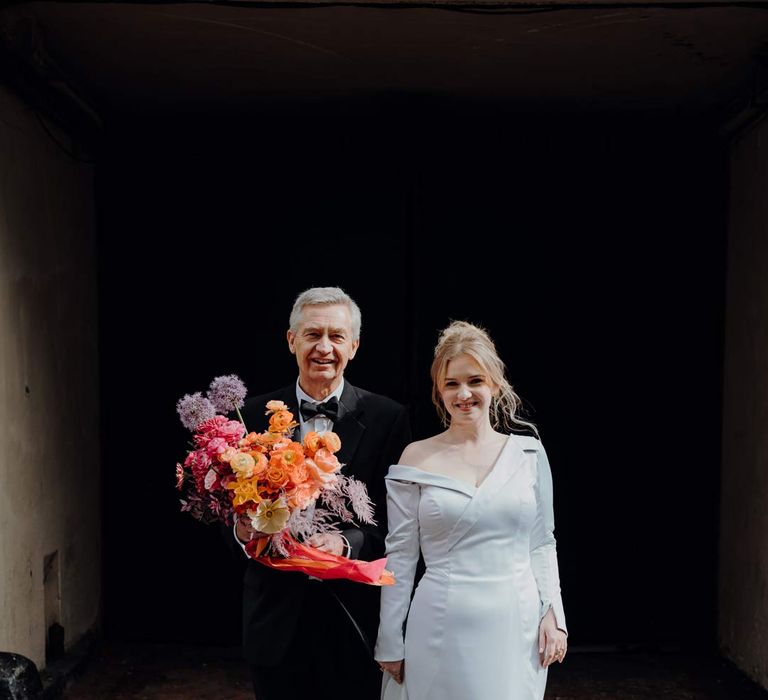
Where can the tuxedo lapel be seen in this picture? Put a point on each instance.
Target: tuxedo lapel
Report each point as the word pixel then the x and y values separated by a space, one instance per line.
pixel 349 426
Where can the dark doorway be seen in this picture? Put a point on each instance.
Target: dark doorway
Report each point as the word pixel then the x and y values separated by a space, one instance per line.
pixel 592 249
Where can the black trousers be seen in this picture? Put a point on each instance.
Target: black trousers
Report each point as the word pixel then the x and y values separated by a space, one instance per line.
pixel 325 661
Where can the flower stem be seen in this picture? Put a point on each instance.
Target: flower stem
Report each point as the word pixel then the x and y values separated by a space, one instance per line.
pixel 240 416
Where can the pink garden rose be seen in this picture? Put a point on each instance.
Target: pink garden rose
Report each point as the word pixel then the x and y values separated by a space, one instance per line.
pixel 216 446
pixel 231 431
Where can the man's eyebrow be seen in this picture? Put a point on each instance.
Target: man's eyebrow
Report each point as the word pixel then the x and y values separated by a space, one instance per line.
pixel 319 328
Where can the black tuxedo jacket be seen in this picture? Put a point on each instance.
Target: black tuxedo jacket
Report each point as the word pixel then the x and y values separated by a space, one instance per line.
pixel 277 604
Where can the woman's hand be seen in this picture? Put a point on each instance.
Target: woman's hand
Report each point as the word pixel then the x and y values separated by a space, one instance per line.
pixel 553 643
pixel 393 668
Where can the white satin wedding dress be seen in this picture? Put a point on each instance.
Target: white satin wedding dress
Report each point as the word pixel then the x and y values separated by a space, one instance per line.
pixel 472 628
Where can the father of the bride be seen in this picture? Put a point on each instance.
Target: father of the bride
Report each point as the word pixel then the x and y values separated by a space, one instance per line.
pixel 298 640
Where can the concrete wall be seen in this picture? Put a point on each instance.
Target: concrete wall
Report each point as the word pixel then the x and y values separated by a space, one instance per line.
pixel 49 447
pixel 743 585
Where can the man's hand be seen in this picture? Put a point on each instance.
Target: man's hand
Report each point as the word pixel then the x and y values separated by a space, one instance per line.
pixel 245 531
pixel 393 668
pixel 333 544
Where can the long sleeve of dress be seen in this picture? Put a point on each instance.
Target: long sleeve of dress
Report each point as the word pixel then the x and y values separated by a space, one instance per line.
pixel 402 546
pixel 543 546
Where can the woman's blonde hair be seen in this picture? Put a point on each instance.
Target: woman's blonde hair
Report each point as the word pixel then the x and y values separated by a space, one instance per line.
pixel 463 338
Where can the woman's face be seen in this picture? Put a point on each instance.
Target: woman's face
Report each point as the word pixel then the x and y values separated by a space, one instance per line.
pixel 466 390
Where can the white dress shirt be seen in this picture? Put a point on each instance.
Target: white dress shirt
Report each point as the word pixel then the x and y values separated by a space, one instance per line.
pixel 320 423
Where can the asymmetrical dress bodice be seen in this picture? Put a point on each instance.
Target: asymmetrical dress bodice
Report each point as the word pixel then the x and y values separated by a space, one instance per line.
pixel 491 575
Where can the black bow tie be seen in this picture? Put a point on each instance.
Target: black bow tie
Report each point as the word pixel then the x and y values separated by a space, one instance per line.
pixel 310 409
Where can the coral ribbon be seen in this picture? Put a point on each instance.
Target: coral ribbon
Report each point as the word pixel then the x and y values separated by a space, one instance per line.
pixel 322 565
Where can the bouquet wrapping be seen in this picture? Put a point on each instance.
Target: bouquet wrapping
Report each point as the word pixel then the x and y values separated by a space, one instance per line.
pixel 289 490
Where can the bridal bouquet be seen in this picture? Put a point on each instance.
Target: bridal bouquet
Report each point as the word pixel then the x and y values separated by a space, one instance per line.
pixel 288 490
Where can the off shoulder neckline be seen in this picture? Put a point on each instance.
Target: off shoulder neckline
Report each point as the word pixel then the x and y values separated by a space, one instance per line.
pixel 404 472
pixel 438 476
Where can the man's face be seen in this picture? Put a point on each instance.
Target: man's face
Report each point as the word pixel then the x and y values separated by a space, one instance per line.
pixel 323 345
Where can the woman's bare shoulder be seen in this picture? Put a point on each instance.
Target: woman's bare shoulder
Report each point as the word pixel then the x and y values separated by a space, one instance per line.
pixel 418 452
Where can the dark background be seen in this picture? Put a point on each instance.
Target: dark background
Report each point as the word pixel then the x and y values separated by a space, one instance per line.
pixel 593 251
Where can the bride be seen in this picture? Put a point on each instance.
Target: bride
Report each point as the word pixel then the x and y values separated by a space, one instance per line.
pixel 487 617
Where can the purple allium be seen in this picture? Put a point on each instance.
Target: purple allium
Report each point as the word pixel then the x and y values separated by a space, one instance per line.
pixel 227 393
pixel 193 409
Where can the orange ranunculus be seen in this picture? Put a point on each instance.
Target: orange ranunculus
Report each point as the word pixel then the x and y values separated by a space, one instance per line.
pixel 298 473
pixel 312 442
pixel 242 464
pixel 319 476
pixel 281 422
pixel 331 441
pixel 301 496
pixel 260 462
pixel 293 496
pixel 276 475
pixel 273 406
pixel 268 439
pixel 327 461
pixel 245 490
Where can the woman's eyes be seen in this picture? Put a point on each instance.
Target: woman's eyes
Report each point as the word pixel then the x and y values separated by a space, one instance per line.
pixel 474 381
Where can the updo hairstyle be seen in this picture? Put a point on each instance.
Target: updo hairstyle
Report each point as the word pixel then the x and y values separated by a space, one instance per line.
pixel 463 338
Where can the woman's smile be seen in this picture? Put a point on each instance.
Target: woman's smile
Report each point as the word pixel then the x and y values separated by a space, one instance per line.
pixel 466 390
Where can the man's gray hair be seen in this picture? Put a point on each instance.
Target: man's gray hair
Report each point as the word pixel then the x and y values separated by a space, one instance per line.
pixel 317 296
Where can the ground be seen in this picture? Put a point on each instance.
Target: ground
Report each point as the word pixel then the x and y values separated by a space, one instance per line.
pixel 173 672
